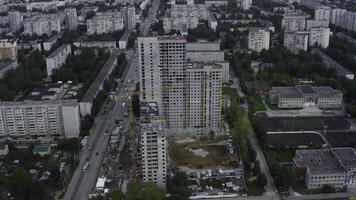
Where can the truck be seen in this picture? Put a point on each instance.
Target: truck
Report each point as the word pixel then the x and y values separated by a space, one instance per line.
pixel 85 167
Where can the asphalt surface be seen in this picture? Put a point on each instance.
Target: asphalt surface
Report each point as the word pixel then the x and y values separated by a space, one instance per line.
pixel 82 183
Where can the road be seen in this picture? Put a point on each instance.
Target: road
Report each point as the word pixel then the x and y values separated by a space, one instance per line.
pixel 83 182
pixel 270 187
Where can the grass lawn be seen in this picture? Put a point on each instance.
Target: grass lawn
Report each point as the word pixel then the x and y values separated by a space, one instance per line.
pixel 255 101
pixel 232 93
pixel 276 156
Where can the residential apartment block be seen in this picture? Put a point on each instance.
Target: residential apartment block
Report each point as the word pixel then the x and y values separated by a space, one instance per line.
pixel 154 153
pixel 14 21
pixel 105 22
pixel 39 118
pixel 8 49
pixel 302 96
pixel 56 59
pixel 292 23
pixel 296 41
pixel 42 24
pixel 71 19
pixel 322 13
pixel 258 39
pixel 335 167
pixel 163 79
pixel 319 36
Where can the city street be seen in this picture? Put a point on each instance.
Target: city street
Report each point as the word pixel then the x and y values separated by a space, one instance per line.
pixel 82 183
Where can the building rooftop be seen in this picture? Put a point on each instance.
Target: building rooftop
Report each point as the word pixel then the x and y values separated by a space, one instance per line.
pixel 69 102
pixel 148 110
pixel 200 65
pixel 346 156
pixel 6 63
pixel 152 127
pixel 58 50
pixel 100 78
pixel 305 90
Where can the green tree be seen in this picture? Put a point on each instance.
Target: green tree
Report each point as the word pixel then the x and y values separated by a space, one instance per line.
pixel 178 187
pixel 144 191
pixel 327 189
pixel 69 145
pixel 261 180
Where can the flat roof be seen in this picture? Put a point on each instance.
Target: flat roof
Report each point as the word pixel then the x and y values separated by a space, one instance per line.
pixel 68 102
pixel 100 78
pixel 346 156
pixel 58 50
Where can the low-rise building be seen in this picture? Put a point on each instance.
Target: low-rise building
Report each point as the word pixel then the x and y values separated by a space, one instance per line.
pixel 335 167
pixel 4 149
pixel 6 66
pixel 8 49
pixel 42 149
pixel 305 96
pixel 56 59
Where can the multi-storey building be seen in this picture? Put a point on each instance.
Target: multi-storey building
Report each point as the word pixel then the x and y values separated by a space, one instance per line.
pixel 8 49
pixel 337 17
pixel 39 118
pixel 335 167
pixel 42 24
pixel 305 95
pixel 296 41
pixel 246 4
pixel 130 17
pixel 316 23
pixel 204 83
pixel 322 13
pixel 56 59
pixel 154 153
pixel 319 36
pixel 207 52
pixel 105 22
pixel 71 19
pixel 163 71
pixel 258 39
pixel 14 21
pixel 292 23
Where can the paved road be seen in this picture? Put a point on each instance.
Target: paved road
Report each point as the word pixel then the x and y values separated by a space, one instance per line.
pixel 270 187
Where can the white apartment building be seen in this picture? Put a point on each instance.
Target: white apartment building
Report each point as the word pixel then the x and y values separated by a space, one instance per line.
pixel 56 59
pixel 296 41
pixel 130 17
pixel 14 21
pixel 179 23
pixel 105 22
pixel 42 24
pixel 293 23
pixel 310 23
pixel 39 118
pixel 337 17
pixel 322 13
pixel 258 39
pixel 162 68
pixel 246 4
pixel 71 19
pixel 8 49
pixel 154 153
pixel 319 36
pixel 204 91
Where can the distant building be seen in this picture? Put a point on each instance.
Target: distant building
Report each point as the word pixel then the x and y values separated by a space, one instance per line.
pixel 8 49
pixel 335 167
pixel 296 41
pixel 322 13
pixel 6 66
pixel 293 23
pixel 305 95
pixel 316 23
pixel 14 21
pixel 42 24
pixel 246 4
pixel 56 59
pixel 39 118
pixel 319 36
pixel 130 17
pixel 154 153
pixel 71 19
pixel 105 22
pixel 47 45
pixel 258 39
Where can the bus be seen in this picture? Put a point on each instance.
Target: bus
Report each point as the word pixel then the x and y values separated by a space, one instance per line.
pixel 85 167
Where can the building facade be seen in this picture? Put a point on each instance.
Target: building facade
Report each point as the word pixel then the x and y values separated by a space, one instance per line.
pixel 8 49
pixel 154 153
pixel 296 41
pixel 130 17
pixel 258 39
pixel 42 24
pixel 105 22
pixel 293 23
pixel 14 21
pixel 71 19
pixel 56 59
pixel 40 118
pixel 322 13
pixel 319 36
pixel 302 96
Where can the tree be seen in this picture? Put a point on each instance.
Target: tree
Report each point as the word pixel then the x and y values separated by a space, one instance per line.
pixel 211 134
pixel 327 189
pixel 144 191
pixel 116 194
pixel 136 105
pixel 69 145
pixel 261 180
pixel 178 187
